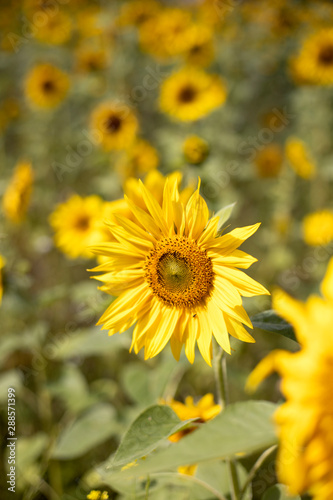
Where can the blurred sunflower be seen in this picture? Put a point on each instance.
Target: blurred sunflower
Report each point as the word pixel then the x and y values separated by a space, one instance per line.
pixel 98 495
pixel 17 195
pixel 164 35
pixel 314 63
pixel 116 124
pixel 46 86
pixel 304 421
pixel 318 228
pixel 299 158
pixel 175 277
pixel 195 149
pixel 137 160
pixel 90 59
pixel 269 161
pixel 191 94
pixel 77 225
pixel 199 50
pixel 88 21
pixel 137 12
pixel 2 265
pixel 56 29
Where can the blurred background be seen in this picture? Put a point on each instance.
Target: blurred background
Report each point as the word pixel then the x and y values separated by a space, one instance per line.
pixel 92 96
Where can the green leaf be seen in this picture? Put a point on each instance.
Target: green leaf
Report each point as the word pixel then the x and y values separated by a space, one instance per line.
pixel 152 426
pixel 271 322
pixel 243 427
pixel 89 430
pixel 224 215
pixel 279 492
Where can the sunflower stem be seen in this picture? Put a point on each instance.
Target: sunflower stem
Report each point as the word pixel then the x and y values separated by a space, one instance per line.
pixel 220 372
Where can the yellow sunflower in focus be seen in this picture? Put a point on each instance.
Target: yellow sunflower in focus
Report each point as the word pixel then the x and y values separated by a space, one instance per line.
pixel 300 158
pixel 191 94
pixel 304 421
pixel 56 29
pixel 16 198
pixel 137 12
pixel 176 278
pixel 2 265
pixel 138 160
pixel 46 86
pixel 269 161
pixel 195 149
pixel 77 225
pixel 318 228
pixel 314 63
pixel 116 125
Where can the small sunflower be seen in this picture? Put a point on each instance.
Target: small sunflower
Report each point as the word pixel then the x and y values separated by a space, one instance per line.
pixel 77 225
pixel 138 160
pixel 17 195
pixel 314 63
pixel 199 49
pixel 46 86
pixel 300 158
pixel 90 59
pixel 191 94
pixel 318 228
pixel 304 421
pixel 269 161
pixel 176 278
pixel 98 495
pixel 116 124
pixel 56 29
pixel 137 12
pixel 195 150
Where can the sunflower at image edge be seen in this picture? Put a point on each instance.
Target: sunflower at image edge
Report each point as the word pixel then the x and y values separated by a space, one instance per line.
pixel 175 277
pixel 46 86
pixel 116 125
pixel 191 94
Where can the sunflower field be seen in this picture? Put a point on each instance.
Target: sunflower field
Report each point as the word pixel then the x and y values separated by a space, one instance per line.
pixel 166 259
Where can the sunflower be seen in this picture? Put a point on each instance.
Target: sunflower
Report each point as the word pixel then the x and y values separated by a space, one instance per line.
pixel 138 160
pixel 98 495
pixel 314 63
pixel 17 195
pixel 176 278
pixel 77 225
pixel 2 265
pixel 199 49
pixel 116 124
pixel 56 29
pixel 90 59
pixel 46 86
pixel 191 94
pixel 300 158
pixel 304 421
pixel 268 161
pixel 137 12
pixel 195 149
pixel 318 228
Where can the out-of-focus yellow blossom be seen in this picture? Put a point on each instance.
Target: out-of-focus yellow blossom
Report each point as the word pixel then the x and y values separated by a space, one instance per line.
pixel 16 198
pixel 46 86
pixel 269 160
pixel 318 228
pixel 2 265
pixel 191 94
pixel 299 158
pixel 195 149
pixel 314 63
pixel 90 58
pixel 205 409
pixel 98 495
pixel 56 29
pixel 199 49
pixel 137 12
pixel 304 421
pixel 137 160
pixel 77 224
pixel 116 125
pixel 164 35
pixel 89 22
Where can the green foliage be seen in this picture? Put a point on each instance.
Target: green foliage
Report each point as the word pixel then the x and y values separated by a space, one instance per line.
pixel 279 492
pixel 271 322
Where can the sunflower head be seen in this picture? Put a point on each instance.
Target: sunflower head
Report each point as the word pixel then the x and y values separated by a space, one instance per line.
pixel 300 158
pixel 17 195
pixel 46 86
pixel 318 228
pixel 195 150
pixel 269 161
pixel 136 161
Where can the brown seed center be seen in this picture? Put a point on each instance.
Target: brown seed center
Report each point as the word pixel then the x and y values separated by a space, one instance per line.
pixel 326 55
pixel 113 123
pixel 187 94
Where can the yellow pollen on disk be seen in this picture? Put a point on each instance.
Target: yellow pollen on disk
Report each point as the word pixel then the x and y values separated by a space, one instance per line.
pixel 179 273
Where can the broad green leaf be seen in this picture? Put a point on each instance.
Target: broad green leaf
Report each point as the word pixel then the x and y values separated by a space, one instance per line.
pixel 224 215
pixel 279 492
pixel 244 427
pixel 152 426
pixel 89 430
pixel 271 322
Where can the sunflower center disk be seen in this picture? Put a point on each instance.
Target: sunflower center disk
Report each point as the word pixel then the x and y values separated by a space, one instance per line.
pixel 179 273
pixel 326 55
